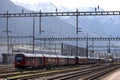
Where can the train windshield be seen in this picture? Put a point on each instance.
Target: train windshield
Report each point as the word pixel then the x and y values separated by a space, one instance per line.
pixel 19 57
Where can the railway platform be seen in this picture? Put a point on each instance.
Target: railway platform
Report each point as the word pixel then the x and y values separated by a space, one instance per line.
pixel 115 75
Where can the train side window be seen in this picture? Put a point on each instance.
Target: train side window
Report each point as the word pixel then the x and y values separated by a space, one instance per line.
pixel 30 60
pixel 19 57
pixel 49 60
pixel 54 60
pixel 26 59
pixel 39 60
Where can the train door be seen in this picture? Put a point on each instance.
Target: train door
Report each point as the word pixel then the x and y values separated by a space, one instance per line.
pixel 76 60
pixel 58 61
pixel 44 61
pixel 39 61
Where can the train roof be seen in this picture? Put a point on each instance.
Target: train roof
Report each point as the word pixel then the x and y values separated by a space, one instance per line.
pixel 82 57
pixel 45 55
pixel 37 55
pixel 116 57
pixel 51 55
pixel 93 57
pixel 96 58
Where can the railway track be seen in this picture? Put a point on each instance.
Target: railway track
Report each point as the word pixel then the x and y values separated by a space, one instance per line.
pixel 98 74
pixel 39 73
pixel 5 66
pixel 87 74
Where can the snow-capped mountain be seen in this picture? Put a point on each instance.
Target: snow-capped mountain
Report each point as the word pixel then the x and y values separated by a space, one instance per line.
pixel 23 26
pixel 44 7
pixel 92 24
pixel 56 26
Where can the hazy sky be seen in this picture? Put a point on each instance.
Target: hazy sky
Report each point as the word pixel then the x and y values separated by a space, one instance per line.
pixel 105 4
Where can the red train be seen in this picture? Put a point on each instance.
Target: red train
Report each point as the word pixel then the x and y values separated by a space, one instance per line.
pixel 25 60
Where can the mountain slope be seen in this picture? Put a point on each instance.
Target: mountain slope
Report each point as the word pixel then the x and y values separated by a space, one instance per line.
pixel 98 25
pixel 23 26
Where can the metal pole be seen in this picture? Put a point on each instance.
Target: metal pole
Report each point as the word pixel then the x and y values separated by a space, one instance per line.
pixel 76 46
pixel 77 33
pixel 11 44
pixel 99 56
pixel 33 34
pixel 62 45
pixel 71 51
pixel 7 34
pixel 55 49
pixel 87 46
pixel 40 24
pixel 34 41
pixel 77 22
pixel 108 49
pixel 92 45
pixel 109 46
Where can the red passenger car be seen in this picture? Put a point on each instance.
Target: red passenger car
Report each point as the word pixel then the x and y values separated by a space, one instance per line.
pixel 39 60
pixel 25 60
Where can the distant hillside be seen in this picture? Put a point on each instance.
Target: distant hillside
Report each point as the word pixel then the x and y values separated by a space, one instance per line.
pixel 23 26
pixel 94 25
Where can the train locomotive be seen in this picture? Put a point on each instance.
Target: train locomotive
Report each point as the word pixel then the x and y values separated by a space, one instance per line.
pixel 28 60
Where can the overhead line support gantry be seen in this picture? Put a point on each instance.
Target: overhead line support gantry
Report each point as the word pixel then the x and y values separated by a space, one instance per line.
pixel 48 14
